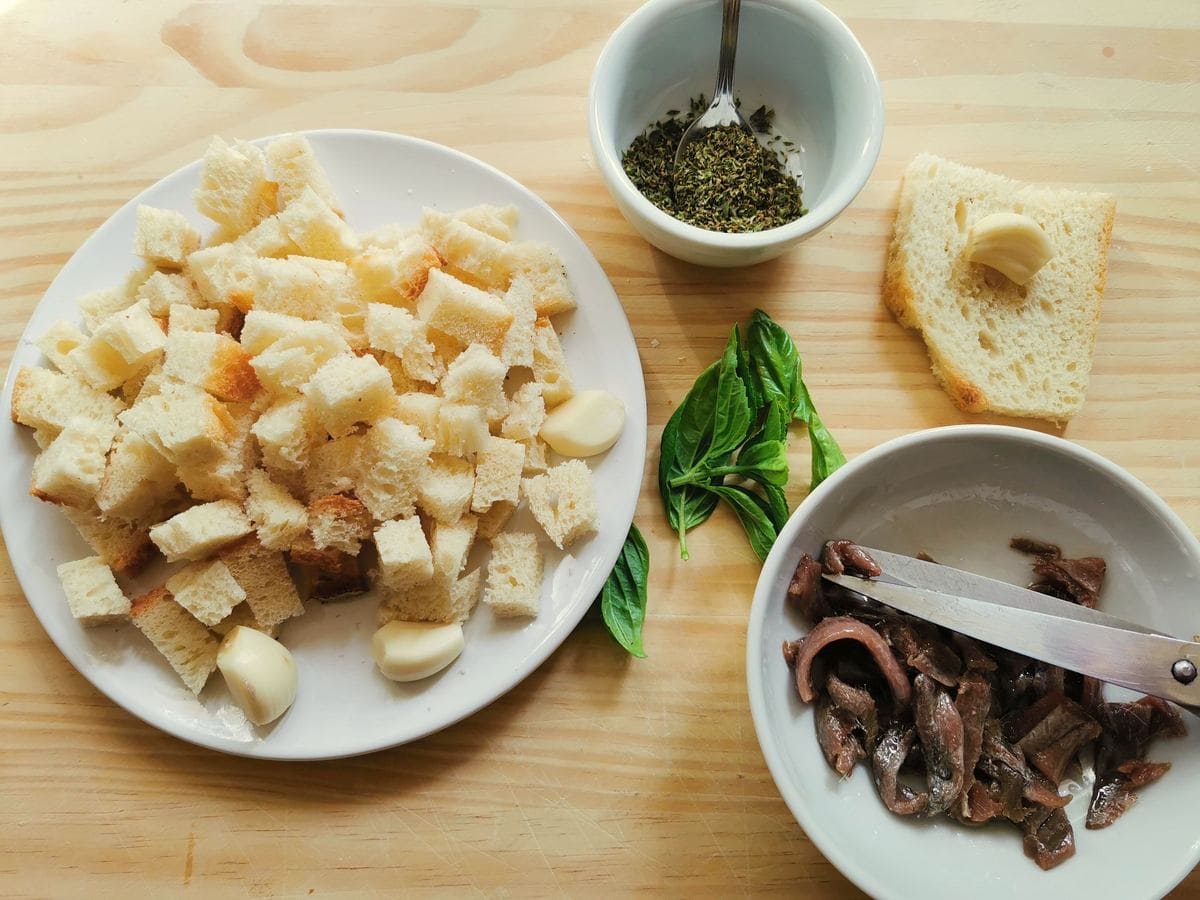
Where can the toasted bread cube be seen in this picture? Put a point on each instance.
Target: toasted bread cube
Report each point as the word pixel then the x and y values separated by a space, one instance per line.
pixel 244 616
pixel 514 579
pixel 164 237
pixel 163 290
pixel 269 238
pixel 421 410
pixel 348 390
pixel 59 340
pixel 394 460
pixel 187 645
pixel 462 429
pixel 137 481
pixel 124 547
pixel 48 400
pixel 396 331
pixel 233 185
pixel 99 305
pixel 126 343
pixel 436 600
pixel 92 593
pixel 473 252
pixel 220 473
pixel 492 522
pixel 550 365
pixel 537 458
pixel 316 229
pixel 102 367
pixel 404 555
pixel 498 221
pixel 563 501
pixel 184 423
pixel 464 313
pixel 327 574
pixel 526 413
pixel 335 467
pixel 70 470
pixel 200 530
pixel 445 491
pixel 302 286
pixel 476 377
pixel 261 329
pixel 340 522
pixel 401 382
pixel 393 234
pixel 263 574
pixel 215 362
pixel 224 275
pixel 395 272
pixel 541 264
pixel 207 590
pixel 295 167
pixel 278 517
pixel 288 363
pixel 498 467
pixel 285 434
pixel 189 318
pixel 517 348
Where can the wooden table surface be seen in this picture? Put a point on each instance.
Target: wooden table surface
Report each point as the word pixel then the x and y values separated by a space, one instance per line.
pixel 599 774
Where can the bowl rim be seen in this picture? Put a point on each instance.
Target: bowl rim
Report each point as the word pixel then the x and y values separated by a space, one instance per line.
pixel 812 221
pixel 846 864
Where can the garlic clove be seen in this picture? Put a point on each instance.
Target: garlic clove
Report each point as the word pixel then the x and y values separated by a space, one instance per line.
pixel 260 673
pixel 1012 244
pixel 410 651
pixel 587 424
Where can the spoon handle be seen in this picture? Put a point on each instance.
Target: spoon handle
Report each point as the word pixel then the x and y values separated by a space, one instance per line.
pixel 729 35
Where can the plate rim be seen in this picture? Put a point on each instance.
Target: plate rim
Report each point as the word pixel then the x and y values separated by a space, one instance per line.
pixel 841 857
pixel 541 651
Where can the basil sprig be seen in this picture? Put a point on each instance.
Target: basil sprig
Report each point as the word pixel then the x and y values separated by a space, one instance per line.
pixel 733 423
pixel 623 598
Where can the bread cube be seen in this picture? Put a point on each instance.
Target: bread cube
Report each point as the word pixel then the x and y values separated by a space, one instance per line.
pixel 200 530
pixel 541 264
pixel 278 517
pixel 244 616
pixel 186 644
pixel 99 305
pixel 514 578
pixel 233 189
pixel 289 363
pixel 316 229
pixel 498 467
pixel 224 275
pixel 70 470
pixel 263 574
pixel 492 522
pixel 335 467
pixel 102 367
pixel 92 593
pixel 467 249
pixel 401 383
pixel 215 362
pixel 184 423
pixel 340 522
pixel 348 390
pixel 526 413
pixel 59 340
pixel 476 377
pixel 550 365
pixel 207 590
pixel 563 501
pixel 498 221
pixel 327 574
pixel 462 429
pixel 134 334
pixel 450 544
pixel 301 286
pixel 404 555
pixel 517 347
pixel 394 460
pixel 261 329
pixel 124 547
pixel 436 600
pixel 464 313
pixel 162 290
pixel 137 481
pixel 537 459
pixel 445 491
pixel 269 238
pixel 421 410
pixel 164 237
pixel 395 272
pixel 396 331
pixel 45 399
pixel 285 433
pixel 189 318
pixel 220 473
pixel 295 167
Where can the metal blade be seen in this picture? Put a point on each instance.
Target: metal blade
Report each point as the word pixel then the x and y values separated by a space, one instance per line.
pixel 947 580
pixel 1141 662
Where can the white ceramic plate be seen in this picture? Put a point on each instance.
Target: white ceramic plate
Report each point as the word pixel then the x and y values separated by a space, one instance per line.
pixel 344 707
pixel 961 493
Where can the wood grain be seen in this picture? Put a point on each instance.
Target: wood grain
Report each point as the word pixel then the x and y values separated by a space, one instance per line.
pixel 599 773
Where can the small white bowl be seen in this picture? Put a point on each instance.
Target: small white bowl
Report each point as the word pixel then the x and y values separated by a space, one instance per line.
pixel 961 493
pixel 793 55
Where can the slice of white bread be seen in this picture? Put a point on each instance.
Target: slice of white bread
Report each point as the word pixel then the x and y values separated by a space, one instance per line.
pixel 92 593
pixel 123 546
pixel 215 362
pixel 278 517
pixel 340 522
pixel 234 190
pixel 563 501
pixel 476 377
pixel 316 229
pixel 395 272
pixel 138 480
pixel 197 532
pixel 59 340
pixel 445 491
pixel 207 590
pixel 45 399
pixel 164 237
pixel 70 470
pixel 162 290
pixel 394 460
pixel 263 574
pixel 348 390
pixel 187 645
pixel 295 167
pixel 544 269
pixel 404 555
pixel 464 313
pixel 995 345
pixel 498 468
pixel 550 365
pixel 514 578
pixel 436 600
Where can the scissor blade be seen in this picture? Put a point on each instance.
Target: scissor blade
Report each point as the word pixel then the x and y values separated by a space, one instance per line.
pixel 931 576
pixel 1141 662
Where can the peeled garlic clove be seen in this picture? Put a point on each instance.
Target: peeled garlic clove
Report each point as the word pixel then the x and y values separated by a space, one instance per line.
pixel 587 424
pixel 410 651
pixel 1012 244
pixel 260 673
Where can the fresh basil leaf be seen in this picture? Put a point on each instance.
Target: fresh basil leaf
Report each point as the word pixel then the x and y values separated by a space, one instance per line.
pixel 763 461
pixel 623 597
pixel 685 442
pixel 776 362
pixel 754 397
pixel 827 456
pixel 732 416
pixel 777 507
pixel 752 512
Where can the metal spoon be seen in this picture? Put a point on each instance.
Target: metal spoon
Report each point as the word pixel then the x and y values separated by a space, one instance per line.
pixel 722 111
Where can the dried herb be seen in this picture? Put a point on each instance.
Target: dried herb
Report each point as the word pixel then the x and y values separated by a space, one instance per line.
pixel 726 181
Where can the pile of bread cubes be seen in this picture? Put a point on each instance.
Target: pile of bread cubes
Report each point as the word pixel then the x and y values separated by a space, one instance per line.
pixel 263 406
